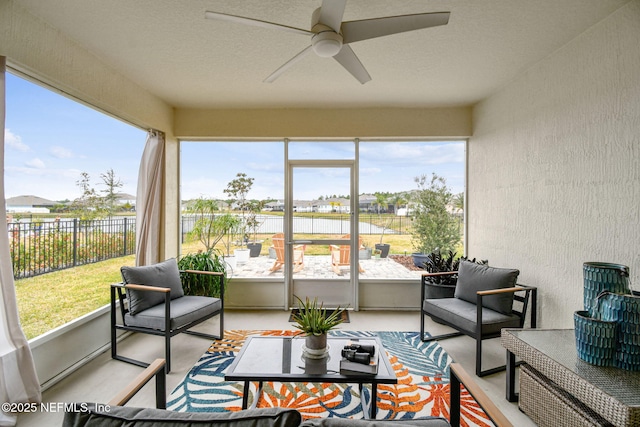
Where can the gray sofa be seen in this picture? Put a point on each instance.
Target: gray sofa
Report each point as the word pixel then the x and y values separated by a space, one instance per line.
pixel 114 414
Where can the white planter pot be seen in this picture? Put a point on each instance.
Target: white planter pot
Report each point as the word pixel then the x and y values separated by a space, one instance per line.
pixel 242 255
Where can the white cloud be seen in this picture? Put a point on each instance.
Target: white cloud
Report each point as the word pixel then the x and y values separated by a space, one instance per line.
pixel 35 163
pixel 14 141
pixel 60 152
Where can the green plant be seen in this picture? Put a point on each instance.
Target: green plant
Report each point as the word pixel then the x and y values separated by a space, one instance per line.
pixel 433 225
pixel 237 189
pixel 202 284
pixel 313 319
pixel 437 263
pixel 252 221
pixel 210 228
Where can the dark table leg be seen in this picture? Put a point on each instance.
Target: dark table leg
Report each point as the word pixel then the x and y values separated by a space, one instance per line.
pixel 245 395
pixel 512 396
pixel 454 403
pixel 374 400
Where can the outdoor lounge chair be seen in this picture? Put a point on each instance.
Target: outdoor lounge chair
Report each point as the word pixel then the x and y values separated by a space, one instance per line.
pixel 341 255
pixel 486 300
pixel 152 301
pixel 298 254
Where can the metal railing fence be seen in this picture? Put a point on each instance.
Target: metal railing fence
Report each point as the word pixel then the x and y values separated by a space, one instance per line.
pixel 320 224
pixel 39 247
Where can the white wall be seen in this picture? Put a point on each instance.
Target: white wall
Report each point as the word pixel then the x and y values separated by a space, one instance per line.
pixel 554 166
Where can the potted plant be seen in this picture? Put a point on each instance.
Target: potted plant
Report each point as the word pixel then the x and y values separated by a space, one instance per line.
pixel 364 252
pixel 237 189
pixel 253 222
pixel 442 286
pixel 384 247
pixel 202 285
pixel 210 228
pixel 315 321
pixel 433 225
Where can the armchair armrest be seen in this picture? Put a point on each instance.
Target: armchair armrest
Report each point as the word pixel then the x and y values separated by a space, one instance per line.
pixel 155 369
pixel 513 289
pixel 146 288
pixel 459 376
pixel 211 273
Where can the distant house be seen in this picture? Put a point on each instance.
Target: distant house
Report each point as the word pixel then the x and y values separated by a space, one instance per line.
pixel 29 204
pixel 334 205
pixel 126 199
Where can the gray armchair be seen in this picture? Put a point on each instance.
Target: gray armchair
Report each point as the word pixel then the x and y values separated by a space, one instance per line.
pixel 152 301
pixel 486 300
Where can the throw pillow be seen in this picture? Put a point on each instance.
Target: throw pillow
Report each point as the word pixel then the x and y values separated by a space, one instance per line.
pixel 163 275
pixel 474 277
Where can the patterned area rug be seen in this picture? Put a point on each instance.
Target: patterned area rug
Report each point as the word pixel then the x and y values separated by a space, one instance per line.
pixel 422 390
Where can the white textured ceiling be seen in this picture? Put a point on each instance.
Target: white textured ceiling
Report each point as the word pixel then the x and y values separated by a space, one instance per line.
pixel 168 47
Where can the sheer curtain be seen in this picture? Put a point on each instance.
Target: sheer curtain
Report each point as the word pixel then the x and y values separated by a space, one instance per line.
pixel 18 378
pixel 149 200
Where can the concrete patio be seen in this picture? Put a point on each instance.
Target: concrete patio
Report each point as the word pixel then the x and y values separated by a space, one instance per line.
pixel 319 267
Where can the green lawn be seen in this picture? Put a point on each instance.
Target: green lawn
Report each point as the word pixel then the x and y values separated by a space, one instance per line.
pixel 53 299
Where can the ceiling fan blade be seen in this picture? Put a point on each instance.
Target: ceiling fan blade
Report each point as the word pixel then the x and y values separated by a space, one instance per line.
pixel 365 29
pixel 288 65
pixel 348 59
pixel 254 22
pixel 331 13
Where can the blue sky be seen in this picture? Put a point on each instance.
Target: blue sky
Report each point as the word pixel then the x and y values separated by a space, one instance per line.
pixel 50 140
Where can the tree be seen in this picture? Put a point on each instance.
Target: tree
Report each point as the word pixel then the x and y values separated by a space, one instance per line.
pixel 458 202
pixel 397 200
pixel 433 226
pixel 210 228
pixel 112 184
pixel 89 205
pixel 380 202
pixel 237 190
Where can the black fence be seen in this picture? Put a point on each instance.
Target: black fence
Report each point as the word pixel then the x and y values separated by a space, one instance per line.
pixel 336 224
pixel 43 246
pixel 39 247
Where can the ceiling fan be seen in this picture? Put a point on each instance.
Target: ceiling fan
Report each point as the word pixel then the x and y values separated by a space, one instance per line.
pixel 330 37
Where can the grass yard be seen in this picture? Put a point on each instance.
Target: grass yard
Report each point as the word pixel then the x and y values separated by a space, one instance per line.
pixel 53 299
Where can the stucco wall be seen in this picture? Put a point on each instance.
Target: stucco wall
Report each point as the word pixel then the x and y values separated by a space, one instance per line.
pixel 554 166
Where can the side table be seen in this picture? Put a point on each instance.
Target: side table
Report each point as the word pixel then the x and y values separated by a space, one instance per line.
pixel 613 394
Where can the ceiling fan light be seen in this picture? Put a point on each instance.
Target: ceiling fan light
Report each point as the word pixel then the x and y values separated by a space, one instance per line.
pixel 326 44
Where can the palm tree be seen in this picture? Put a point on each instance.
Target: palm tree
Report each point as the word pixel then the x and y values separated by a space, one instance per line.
pixel 398 200
pixel 381 201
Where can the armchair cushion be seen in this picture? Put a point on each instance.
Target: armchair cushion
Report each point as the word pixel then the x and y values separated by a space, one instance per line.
pixel 474 277
pixel 463 315
pixel 164 275
pixel 184 310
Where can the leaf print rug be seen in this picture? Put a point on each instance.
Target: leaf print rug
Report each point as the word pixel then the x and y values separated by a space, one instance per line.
pixel 422 369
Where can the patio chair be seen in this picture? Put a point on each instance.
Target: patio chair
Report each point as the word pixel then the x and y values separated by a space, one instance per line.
pixel 152 301
pixel 486 300
pixel 298 254
pixel 341 255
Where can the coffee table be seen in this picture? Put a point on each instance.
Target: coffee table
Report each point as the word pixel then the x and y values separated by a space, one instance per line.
pixel 280 359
